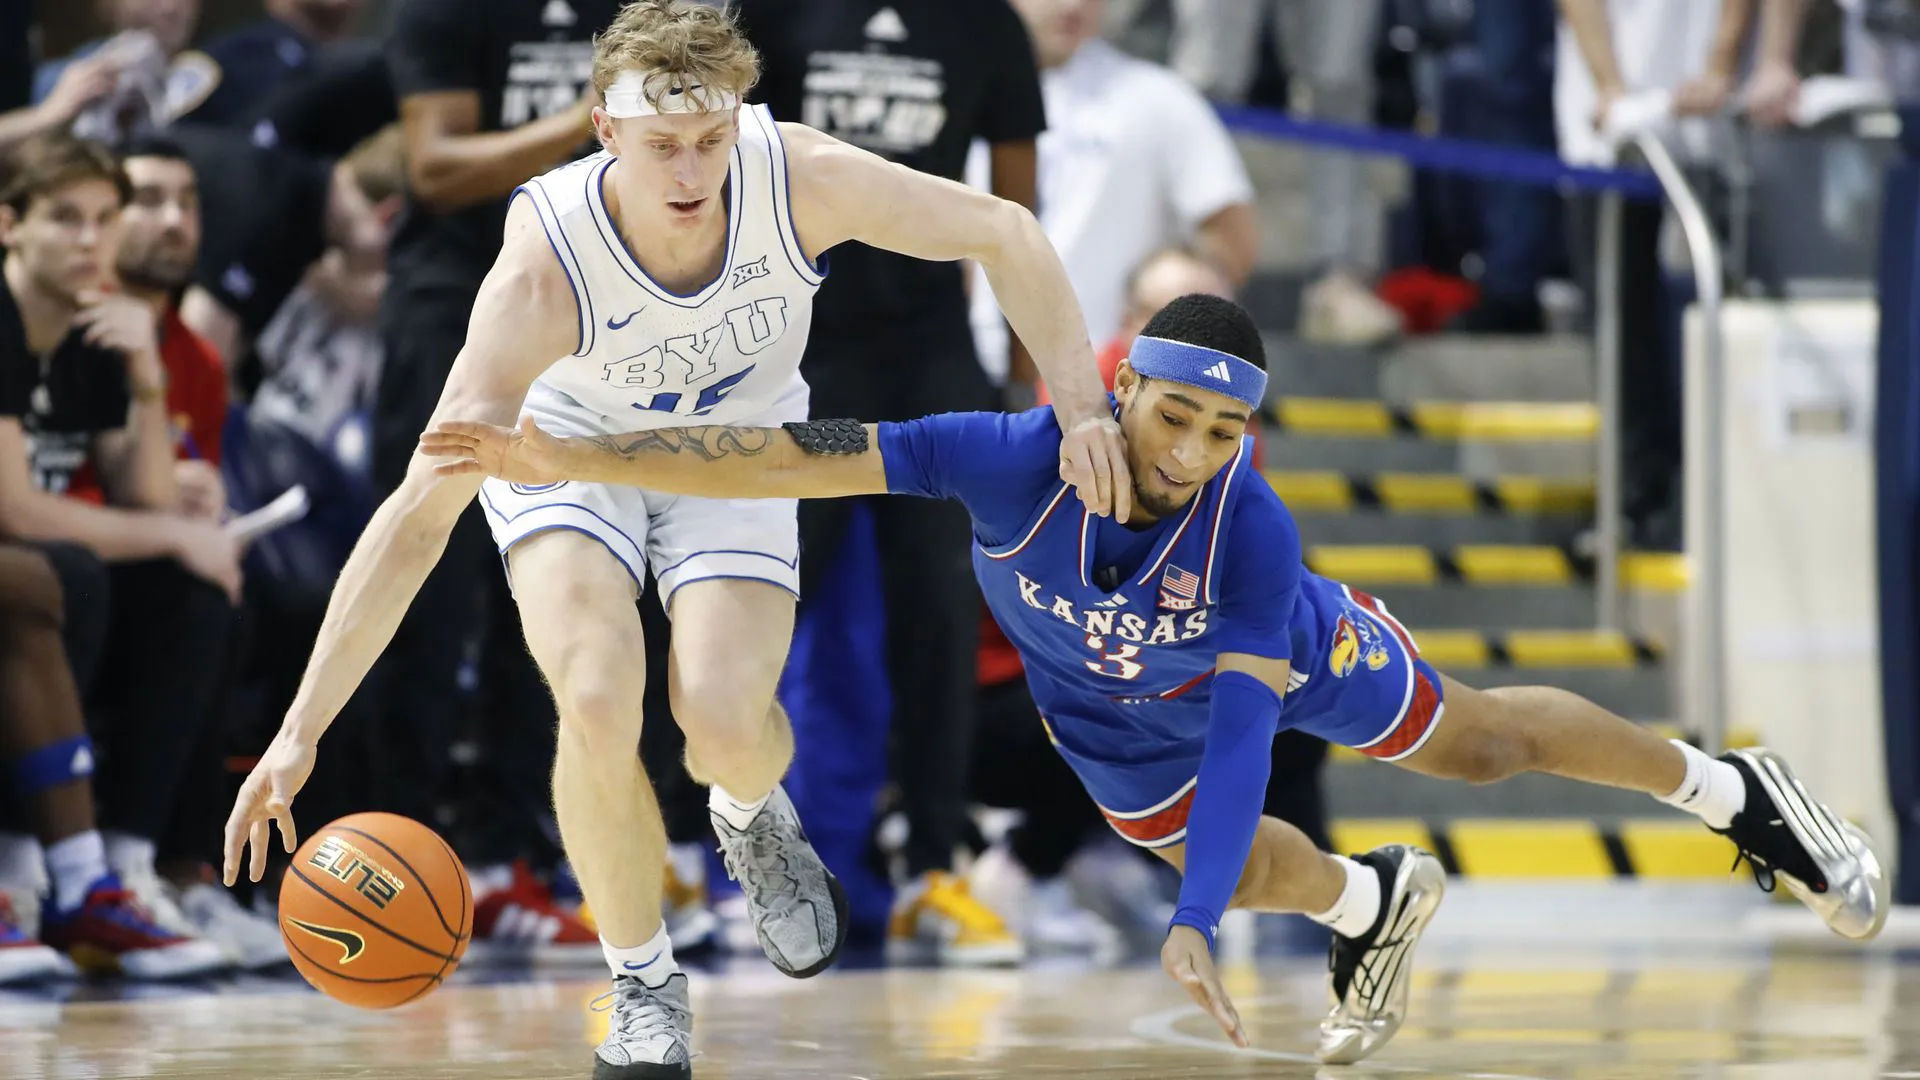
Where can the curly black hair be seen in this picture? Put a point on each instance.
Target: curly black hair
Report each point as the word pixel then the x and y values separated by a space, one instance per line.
pixel 1210 322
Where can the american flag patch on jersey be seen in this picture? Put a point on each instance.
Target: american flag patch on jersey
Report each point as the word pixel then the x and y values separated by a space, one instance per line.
pixel 1179 589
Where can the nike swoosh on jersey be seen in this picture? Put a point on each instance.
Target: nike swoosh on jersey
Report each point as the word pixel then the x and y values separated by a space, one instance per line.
pixel 351 944
pixel 621 325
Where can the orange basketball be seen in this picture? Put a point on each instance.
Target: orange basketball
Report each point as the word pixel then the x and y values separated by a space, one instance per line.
pixel 376 910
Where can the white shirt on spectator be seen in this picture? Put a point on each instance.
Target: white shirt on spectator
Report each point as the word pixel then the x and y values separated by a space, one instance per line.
pixel 1657 45
pixel 1133 159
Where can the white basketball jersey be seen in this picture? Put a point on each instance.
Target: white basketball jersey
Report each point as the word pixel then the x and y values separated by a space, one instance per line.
pixel 650 358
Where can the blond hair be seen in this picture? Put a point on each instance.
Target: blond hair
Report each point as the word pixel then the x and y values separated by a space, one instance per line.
pixel 692 41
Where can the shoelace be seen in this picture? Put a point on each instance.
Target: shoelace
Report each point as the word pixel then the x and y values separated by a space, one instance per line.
pixel 651 1011
pixel 757 859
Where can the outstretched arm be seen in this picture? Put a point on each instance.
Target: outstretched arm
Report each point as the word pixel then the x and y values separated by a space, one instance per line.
pixel 841 193
pixel 815 459
pixel 525 317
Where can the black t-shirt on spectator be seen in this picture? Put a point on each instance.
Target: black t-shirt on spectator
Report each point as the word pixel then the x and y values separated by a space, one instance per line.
pixel 327 107
pixel 527 59
pixel 62 400
pixel 264 210
pixel 254 60
pixel 915 81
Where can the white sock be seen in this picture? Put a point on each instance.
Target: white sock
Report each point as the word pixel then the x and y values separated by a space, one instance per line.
pixel 650 963
pixel 1712 790
pixel 1359 904
pixel 738 813
pixel 76 864
pixel 22 863
pixel 128 854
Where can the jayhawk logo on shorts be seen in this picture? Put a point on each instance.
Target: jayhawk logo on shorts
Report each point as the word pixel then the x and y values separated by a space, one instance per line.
pixel 1351 641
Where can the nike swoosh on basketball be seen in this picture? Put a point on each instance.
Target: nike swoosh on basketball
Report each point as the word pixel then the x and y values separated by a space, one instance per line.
pixel 621 325
pixel 351 944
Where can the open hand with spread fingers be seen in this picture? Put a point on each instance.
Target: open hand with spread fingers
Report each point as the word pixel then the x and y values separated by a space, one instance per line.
pixel 523 455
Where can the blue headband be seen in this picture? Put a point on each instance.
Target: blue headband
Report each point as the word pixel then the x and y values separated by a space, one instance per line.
pixel 1196 365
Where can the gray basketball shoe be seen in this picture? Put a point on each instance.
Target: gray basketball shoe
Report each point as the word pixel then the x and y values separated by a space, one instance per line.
pixel 1788 837
pixel 1372 972
pixel 798 909
pixel 649 1035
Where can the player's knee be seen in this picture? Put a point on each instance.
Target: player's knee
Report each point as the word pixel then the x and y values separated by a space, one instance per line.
pixel 598 716
pixel 1490 755
pixel 720 725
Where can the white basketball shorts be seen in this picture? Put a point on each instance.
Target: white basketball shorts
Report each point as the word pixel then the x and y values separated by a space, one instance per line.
pixel 682 538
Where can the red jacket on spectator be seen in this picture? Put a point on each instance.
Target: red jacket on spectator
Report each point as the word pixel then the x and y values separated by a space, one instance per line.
pixel 196 401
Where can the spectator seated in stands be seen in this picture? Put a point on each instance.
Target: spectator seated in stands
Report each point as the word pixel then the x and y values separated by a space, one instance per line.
pixel 83 406
pixel 49 766
pixel 156 77
pixel 159 242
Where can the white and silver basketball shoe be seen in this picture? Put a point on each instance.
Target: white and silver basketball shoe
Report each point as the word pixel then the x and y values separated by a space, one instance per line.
pixel 1372 972
pixel 649 1035
pixel 1786 836
pixel 798 909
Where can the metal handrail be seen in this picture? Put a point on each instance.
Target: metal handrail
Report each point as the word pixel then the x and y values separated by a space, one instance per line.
pixel 1703 699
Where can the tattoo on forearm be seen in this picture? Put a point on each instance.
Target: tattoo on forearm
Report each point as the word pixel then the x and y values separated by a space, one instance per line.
pixel 707 443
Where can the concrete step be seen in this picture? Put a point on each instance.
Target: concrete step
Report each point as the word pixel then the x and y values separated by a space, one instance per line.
pixel 1642 693
pixel 1540 565
pixel 1537 369
pixel 1432 494
pixel 1442 419
pixel 1374 526
pixel 1540 369
pixel 1492 609
pixel 1376 454
pixel 1372 789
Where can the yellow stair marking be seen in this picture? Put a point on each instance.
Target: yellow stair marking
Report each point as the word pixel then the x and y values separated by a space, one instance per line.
pixel 1454 649
pixel 1365 834
pixel 1653 571
pixel 1570 648
pixel 1334 416
pixel 1544 495
pixel 1507 421
pixel 1736 737
pixel 1512 564
pixel 1528 849
pixel 1384 564
pixel 1675 849
pixel 1312 490
pixel 1425 493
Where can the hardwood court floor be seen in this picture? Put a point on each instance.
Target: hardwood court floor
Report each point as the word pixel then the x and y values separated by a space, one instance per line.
pixel 1752 1012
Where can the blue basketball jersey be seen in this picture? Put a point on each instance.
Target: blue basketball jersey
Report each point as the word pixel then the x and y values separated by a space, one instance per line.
pixel 1120 669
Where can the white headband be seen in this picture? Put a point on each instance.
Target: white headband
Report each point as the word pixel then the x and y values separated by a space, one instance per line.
pixel 628 96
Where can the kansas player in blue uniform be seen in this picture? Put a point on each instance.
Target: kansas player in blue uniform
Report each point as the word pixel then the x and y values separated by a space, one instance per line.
pixel 1164 653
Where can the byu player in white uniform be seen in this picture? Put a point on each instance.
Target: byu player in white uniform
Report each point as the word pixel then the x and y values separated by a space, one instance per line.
pixel 668 282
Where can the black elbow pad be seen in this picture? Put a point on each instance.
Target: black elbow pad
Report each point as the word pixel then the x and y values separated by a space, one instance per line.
pixel 830 437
